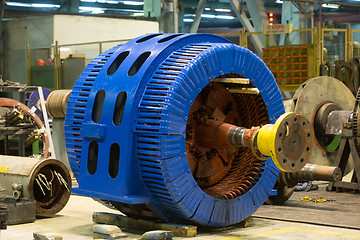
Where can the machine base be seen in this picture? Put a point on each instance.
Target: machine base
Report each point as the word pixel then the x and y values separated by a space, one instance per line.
pixel 19 211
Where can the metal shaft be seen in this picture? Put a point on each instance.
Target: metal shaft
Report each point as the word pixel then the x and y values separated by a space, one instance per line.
pixel 288 142
pixel 311 172
pixel 214 133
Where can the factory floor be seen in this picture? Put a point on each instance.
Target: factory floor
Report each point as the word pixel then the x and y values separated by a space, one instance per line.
pixel 339 219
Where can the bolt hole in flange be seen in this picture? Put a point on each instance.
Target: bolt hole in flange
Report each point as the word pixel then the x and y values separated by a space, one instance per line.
pixel 294 143
pixel 224 172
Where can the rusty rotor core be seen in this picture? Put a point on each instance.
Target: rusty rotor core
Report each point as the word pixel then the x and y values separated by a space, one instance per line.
pixel 224 172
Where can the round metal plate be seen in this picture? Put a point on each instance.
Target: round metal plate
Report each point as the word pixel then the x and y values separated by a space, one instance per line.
pixel 293 142
pixel 307 100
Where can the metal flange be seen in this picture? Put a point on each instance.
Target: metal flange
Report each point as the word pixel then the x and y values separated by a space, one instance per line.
pixel 311 99
pixel 289 141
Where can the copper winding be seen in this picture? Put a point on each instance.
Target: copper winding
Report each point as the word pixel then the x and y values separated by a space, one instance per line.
pixel 7 102
pixel 245 169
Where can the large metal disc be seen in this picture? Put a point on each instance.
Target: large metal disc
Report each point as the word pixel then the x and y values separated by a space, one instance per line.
pixel 310 97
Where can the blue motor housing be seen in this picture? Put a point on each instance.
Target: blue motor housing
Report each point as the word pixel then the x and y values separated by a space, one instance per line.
pixel 126 123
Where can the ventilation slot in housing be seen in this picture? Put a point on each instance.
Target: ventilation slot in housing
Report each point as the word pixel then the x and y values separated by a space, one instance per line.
pixel 168 38
pixel 114 160
pixel 119 108
pixel 147 38
pixel 138 63
pixel 117 62
pixel 98 105
pixel 92 157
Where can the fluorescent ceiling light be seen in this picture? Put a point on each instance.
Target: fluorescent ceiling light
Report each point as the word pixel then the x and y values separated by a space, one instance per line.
pixel 224 17
pixel 134 3
pixel 222 10
pixel 17 4
pixel 217 16
pixel 138 14
pixel 329 5
pixel 207 9
pixel 91 9
pixel 101 1
pixel 35 5
pixel 188 20
pixel 279 1
pixel 87 9
pixel 208 16
pixel 98 11
pixel 130 10
pixel 108 2
pixel 44 5
pixel 64 49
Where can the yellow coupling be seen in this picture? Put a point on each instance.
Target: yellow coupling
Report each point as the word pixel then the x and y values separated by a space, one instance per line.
pixel 288 142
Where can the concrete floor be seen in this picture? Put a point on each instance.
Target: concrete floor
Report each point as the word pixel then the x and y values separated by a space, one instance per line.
pixel 74 222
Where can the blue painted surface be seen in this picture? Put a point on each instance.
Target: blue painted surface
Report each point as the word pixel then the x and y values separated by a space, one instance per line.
pixel 153 163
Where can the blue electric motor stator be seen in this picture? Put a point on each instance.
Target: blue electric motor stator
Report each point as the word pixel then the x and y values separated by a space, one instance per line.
pixel 130 126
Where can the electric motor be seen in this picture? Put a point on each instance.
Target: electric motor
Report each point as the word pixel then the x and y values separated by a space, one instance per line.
pixel 133 117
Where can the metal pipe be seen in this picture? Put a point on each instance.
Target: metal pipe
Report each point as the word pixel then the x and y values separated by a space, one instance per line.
pixel 311 172
pixel 199 10
pixel 288 141
pixel 176 16
pixel 213 134
pixel 45 181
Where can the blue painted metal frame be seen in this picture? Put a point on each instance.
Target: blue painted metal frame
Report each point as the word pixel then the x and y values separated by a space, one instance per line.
pixel 153 163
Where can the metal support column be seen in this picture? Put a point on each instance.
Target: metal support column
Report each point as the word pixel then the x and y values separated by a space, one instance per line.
pixel 57 65
pixel 259 18
pixel 176 16
pixel 300 15
pixel 249 27
pixel 199 10
pixel 70 6
pixel 21 147
pixel 28 65
pixel 58 136
pixel 319 46
pixel 349 43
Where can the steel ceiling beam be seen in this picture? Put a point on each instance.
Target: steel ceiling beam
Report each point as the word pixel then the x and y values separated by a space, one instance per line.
pixel 70 6
pixel 259 18
pixel 248 26
pixel 191 4
pixel 197 19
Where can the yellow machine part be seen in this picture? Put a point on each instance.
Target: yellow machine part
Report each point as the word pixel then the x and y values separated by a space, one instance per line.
pixel 288 141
